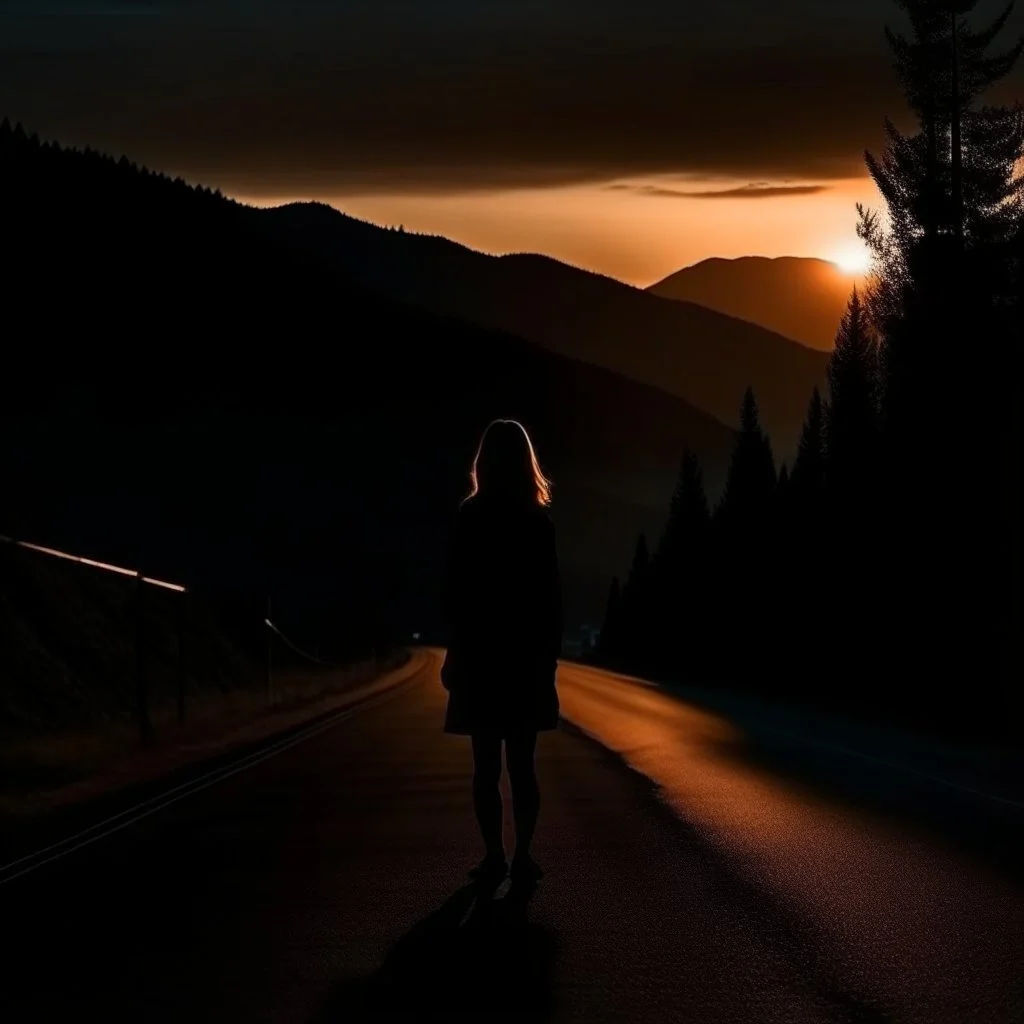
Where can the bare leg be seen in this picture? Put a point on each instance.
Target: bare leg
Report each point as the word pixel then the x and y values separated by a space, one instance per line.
pixel 486 794
pixel 519 756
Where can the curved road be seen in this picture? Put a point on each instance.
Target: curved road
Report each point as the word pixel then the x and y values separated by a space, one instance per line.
pixel 721 878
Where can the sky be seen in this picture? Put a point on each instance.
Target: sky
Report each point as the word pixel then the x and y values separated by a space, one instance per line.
pixel 627 136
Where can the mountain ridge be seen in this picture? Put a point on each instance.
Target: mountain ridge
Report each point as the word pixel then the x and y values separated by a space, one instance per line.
pixel 697 353
pixel 237 414
pixel 801 297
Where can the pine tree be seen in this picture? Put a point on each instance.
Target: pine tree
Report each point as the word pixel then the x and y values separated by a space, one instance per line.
pixel 750 485
pixel 798 541
pixel 745 548
pixel 634 621
pixel 808 477
pixel 940 302
pixel 688 514
pixel 1008 597
pixel 608 639
pixel 944 67
pixel 636 581
pixel 852 415
pixel 784 497
pixel 851 468
pixel 677 575
pixel 949 191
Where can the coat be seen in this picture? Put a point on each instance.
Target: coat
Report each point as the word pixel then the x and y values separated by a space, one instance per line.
pixel 504 610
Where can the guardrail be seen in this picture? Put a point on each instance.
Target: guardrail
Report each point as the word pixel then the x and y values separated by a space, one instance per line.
pixel 142 695
pixel 141 684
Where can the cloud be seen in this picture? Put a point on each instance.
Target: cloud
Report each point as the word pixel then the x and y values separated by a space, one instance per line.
pixel 755 190
pixel 274 99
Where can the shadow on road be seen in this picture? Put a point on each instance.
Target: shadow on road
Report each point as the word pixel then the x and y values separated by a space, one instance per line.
pixel 970 799
pixel 477 957
pixel 983 828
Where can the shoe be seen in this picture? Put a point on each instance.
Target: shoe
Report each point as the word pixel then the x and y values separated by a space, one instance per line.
pixel 490 869
pixel 526 869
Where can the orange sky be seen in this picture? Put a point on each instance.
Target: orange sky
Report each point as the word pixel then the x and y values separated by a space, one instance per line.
pixel 634 237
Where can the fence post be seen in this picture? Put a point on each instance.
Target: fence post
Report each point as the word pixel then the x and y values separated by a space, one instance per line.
pixel 270 664
pixel 141 693
pixel 182 628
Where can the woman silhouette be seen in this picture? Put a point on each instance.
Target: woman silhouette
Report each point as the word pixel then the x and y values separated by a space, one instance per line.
pixel 504 612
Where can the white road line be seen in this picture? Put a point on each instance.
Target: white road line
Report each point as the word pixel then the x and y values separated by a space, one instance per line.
pixel 157 803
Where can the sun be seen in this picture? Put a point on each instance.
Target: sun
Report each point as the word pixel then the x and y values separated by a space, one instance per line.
pixel 853 258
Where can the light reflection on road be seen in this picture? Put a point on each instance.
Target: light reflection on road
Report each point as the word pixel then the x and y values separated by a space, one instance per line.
pixel 881 888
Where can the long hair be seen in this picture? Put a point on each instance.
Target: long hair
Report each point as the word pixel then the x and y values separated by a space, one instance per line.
pixel 506 466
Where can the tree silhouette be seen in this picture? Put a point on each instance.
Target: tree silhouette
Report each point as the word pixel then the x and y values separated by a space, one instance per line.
pixel 944 67
pixel 941 302
pixel 608 643
pixel 677 574
pixel 1012 607
pixel 852 418
pixel 890 556
pixel 952 196
pixel 637 579
pixel 808 479
pixel 802 535
pixel 851 467
pixel 688 516
pixel 950 192
pixel 635 606
pixel 743 524
pixel 750 485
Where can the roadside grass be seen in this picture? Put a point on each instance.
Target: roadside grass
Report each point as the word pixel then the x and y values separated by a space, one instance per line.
pixel 68 681
pixel 51 770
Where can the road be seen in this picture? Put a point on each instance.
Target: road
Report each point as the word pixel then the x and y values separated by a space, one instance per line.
pixel 690 878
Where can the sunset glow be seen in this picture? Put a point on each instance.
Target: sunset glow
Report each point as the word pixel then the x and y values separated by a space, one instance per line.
pixel 636 237
pixel 852 258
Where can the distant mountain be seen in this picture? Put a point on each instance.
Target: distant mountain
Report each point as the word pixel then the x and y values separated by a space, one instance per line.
pixel 701 355
pixel 798 297
pixel 185 393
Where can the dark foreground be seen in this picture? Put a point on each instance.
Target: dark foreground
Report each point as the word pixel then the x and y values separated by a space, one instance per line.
pixel 326 884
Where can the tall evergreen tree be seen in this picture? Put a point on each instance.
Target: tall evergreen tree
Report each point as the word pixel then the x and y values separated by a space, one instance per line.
pixel 945 67
pixel 1011 520
pixel 808 477
pixel 745 548
pixel 851 423
pixel 637 578
pixel 940 302
pixel 677 577
pixel 947 191
pixel 635 606
pixel 750 485
pixel 802 535
pixel 608 644
pixel 688 514
pixel 851 475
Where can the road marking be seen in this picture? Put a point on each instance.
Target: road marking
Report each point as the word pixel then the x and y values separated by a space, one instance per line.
pixel 156 803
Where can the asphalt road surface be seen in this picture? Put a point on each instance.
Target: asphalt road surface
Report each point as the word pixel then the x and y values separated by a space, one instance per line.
pixel 695 873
